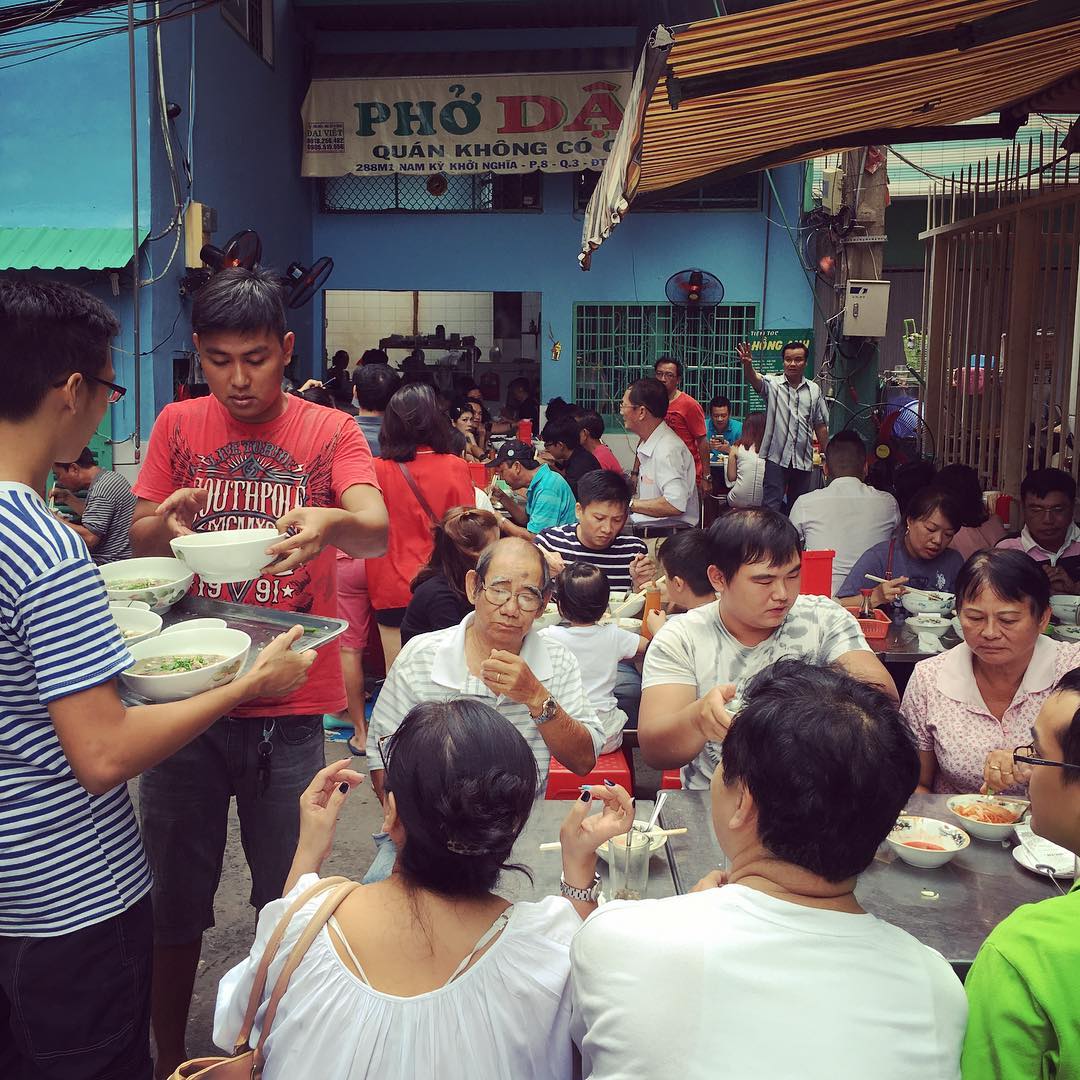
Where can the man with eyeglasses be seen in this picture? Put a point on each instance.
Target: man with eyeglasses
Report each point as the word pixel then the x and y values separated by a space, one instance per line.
pixel 494 655
pixel 1023 989
pixel 1050 535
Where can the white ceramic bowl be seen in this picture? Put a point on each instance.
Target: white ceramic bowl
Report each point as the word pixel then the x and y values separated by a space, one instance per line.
pixel 633 625
pixel 958 628
pixel 657 840
pixel 174 576
pixel 917 603
pixel 1067 633
pixel 947 838
pixel 985 830
pixel 233 645
pixel 1065 608
pixel 128 605
pixel 226 557
pixel 136 624
pixel 196 624
pixel 927 624
pixel 633 607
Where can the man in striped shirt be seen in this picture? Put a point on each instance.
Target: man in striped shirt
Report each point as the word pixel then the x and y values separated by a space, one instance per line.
pixel 603 505
pixel 106 511
pixel 75 919
pixel 794 413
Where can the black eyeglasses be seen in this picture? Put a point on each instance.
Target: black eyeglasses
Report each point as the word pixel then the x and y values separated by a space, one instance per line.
pixel 116 391
pixel 1025 755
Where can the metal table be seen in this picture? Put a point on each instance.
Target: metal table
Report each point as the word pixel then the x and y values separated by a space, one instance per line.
pixel 546 866
pixel 951 909
pixel 901 646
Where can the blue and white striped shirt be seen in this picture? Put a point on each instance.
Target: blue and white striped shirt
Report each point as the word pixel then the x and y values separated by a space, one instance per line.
pixel 68 859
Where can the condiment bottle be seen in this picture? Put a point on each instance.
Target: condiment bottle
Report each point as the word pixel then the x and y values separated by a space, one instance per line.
pixel 652 603
pixel 867 609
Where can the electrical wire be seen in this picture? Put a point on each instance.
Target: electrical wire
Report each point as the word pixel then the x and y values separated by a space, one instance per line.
pixel 1007 181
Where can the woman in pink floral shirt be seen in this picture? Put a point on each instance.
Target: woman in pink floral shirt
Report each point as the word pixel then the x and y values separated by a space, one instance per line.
pixel 969 707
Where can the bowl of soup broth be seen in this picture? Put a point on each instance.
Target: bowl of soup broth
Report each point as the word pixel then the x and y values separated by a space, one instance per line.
pixel 136 624
pixel 156 581
pixel 926 842
pixel 179 665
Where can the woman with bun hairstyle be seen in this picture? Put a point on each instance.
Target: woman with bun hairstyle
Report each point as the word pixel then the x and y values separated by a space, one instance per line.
pixel 430 973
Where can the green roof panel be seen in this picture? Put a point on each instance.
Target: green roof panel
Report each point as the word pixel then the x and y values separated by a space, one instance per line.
pixel 66 249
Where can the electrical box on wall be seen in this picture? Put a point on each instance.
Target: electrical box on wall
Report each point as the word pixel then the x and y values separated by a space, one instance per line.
pixel 832 190
pixel 866 308
pixel 200 223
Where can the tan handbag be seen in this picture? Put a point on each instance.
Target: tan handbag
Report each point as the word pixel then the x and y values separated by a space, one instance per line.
pixel 246 1063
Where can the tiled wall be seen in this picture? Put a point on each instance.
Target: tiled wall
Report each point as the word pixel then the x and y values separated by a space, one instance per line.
pixel 355 321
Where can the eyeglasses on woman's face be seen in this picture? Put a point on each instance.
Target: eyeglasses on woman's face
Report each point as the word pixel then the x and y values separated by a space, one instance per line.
pixel 1025 755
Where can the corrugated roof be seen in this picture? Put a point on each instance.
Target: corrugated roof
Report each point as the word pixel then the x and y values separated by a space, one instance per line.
pixel 65 249
pixel 788 82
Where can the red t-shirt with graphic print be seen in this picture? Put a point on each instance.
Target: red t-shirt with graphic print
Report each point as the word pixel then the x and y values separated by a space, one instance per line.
pixel 255 473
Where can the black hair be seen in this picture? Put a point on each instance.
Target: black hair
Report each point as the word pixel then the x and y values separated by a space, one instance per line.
pixel 911 477
pixel 789 345
pixel 340 359
pixel 375 385
pixel 924 503
pixel 651 394
pixel 557 408
pixel 241 301
pixel 564 429
pixel 845 454
pixel 603 485
pixel 48 331
pixel 85 460
pixel 829 762
pixel 317 395
pixel 669 360
pixel 687 555
pixel 374 356
pixel 463 782
pixel 1069 683
pixel 413 419
pixel 750 536
pixel 962 483
pixel 720 402
pixel 458 409
pixel 582 592
pixel 593 423
pixel 457 541
pixel 1041 482
pixel 1011 575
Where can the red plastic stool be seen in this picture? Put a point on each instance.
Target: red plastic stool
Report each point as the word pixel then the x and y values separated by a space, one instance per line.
pixel 563 784
pixel 671 780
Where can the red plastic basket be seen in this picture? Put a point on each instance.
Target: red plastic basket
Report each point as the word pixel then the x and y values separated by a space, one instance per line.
pixel 876 628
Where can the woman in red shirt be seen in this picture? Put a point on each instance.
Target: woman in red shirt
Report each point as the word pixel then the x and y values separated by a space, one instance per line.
pixel 421 478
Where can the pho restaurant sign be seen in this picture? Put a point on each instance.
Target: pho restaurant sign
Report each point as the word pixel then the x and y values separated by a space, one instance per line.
pixel 562 122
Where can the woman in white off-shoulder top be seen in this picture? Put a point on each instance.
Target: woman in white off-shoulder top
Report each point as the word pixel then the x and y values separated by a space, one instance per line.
pixel 430 973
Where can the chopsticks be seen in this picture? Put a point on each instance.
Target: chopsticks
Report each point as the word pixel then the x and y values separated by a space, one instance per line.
pixel 634 597
pixel 906 588
pixel 556 846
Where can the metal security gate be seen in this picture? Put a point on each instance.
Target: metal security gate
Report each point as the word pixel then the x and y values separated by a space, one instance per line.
pixel 614 344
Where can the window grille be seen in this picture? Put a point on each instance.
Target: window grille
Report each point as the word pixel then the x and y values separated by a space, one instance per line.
pixel 408 193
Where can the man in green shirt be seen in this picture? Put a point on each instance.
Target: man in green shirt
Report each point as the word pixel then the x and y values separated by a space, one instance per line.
pixel 1024 987
pixel 548 498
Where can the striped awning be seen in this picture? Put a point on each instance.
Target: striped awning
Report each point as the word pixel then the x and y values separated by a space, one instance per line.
pixel 791 81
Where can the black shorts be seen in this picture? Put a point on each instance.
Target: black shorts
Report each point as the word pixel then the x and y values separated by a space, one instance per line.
pixel 77 1006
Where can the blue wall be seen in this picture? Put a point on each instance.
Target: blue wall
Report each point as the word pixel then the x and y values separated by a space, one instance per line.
pixel 537 252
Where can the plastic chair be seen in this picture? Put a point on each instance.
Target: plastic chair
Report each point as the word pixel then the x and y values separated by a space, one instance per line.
pixel 816 578
pixel 564 784
pixel 671 780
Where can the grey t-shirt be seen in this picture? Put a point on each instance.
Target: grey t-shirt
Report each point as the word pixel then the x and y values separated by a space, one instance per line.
pixel 697 650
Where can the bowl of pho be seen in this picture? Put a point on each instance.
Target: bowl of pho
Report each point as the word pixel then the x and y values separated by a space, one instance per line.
pixel 136 624
pixel 172 667
pixel 157 582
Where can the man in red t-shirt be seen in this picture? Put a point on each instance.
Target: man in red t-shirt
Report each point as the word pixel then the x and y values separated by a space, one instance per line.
pixel 685 417
pixel 245 456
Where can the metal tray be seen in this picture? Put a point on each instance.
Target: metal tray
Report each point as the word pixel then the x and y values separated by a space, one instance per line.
pixel 262 625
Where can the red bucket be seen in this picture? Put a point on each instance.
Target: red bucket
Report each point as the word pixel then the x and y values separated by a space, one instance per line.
pixel 816 577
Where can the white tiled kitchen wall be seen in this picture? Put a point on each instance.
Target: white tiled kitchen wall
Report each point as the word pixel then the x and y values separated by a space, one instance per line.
pixel 356 321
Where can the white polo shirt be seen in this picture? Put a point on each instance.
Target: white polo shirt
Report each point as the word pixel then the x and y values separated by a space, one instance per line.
pixel 431 667
pixel 849 517
pixel 667 470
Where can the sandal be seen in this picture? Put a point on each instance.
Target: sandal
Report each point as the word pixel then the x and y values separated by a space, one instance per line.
pixel 354 749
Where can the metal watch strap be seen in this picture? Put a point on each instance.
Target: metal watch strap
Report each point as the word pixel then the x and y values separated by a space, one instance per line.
pixel 586 896
pixel 547 711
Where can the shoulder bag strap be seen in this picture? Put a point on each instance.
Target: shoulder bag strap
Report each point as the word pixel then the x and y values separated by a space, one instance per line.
pixel 317 922
pixel 888 563
pixel 272 946
pixel 425 505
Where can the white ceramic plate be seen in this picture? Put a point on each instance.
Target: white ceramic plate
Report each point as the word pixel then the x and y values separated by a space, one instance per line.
pixel 1064 865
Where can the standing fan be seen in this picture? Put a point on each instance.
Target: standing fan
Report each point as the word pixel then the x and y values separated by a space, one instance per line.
pixel 692 289
pixel 302 283
pixel 896 434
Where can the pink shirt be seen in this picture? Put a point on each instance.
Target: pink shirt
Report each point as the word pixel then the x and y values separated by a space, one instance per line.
pixel 606 456
pixel 946 712
pixel 982 537
pixel 1024 542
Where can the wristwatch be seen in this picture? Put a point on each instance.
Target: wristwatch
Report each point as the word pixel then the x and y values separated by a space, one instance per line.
pixel 586 896
pixel 546 713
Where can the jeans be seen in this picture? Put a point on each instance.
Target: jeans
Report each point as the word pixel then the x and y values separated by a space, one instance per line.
pixel 628 692
pixel 779 478
pixel 382 865
pixel 184 805
pixel 77 1006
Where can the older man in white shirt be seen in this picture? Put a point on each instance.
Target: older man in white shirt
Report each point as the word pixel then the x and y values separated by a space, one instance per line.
pixel 848 517
pixel 667 496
